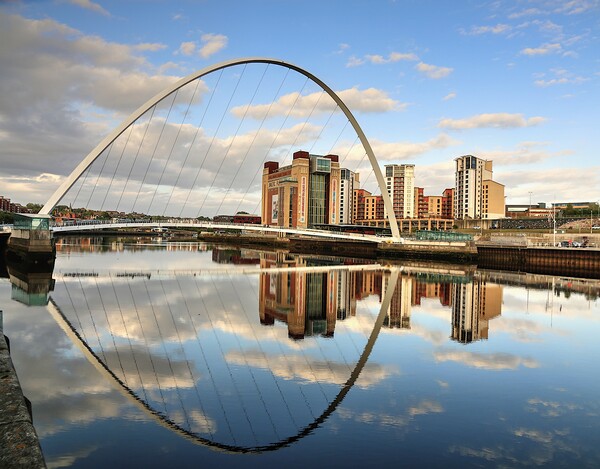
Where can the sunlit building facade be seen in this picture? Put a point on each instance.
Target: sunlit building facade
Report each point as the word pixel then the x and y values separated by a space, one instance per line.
pixel 303 194
pixel 400 183
pixel 476 195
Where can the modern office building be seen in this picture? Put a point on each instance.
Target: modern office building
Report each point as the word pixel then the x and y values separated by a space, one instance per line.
pixel 476 195
pixel 400 182
pixel 302 194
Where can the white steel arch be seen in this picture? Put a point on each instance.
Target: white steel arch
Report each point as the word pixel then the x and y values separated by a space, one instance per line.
pixel 95 153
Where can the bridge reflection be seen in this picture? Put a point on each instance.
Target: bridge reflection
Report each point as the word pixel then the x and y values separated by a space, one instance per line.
pixel 189 351
pixel 259 350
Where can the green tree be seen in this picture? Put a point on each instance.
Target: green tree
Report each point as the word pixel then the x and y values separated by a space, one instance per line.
pixel 569 210
pixel 34 208
pixel 6 218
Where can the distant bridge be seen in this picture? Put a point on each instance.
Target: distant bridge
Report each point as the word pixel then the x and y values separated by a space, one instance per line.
pixel 93 225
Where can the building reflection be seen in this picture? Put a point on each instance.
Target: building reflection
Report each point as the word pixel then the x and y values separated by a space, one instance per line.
pixel 474 305
pixel 311 303
pixel 308 302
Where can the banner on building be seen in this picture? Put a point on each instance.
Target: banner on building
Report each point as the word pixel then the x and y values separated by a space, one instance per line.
pixel 275 208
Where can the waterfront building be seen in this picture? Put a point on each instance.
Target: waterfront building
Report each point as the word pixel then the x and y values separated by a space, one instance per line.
pixel 438 206
pixel 7 206
pixel 477 195
pixel 421 203
pixel 302 194
pixel 349 182
pixel 400 183
pixel 448 204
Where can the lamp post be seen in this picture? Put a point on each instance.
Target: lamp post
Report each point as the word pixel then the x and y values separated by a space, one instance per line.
pixel 529 211
pixel 554 225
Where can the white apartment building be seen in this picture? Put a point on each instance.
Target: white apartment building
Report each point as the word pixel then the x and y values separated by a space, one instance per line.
pixel 349 180
pixel 400 182
pixel 476 195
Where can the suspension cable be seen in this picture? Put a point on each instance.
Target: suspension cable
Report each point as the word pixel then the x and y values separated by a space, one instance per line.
pixel 230 145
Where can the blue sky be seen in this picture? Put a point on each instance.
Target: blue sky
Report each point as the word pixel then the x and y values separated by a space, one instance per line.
pixel 514 81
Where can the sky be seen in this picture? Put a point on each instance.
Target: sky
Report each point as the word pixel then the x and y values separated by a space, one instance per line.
pixel 512 81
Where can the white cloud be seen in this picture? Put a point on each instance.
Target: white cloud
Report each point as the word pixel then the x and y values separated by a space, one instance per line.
pixel 187 48
pixel 370 100
pixel 498 120
pixel 497 29
pixel 525 153
pixel 561 77
pixel 433 71
pixel 57 83
pixel 150 47
pixel 343 47
pixel 449 96
pixel 405 150
pixel 377 59
pixel 550 184
pixel 354 62
pixel 89 5
pixel 392 57
pixel 527 12
pixel 559 81
pixel 396 151
pixel 575 7
pixel 211 44
pixel 493 361
pixel 544 49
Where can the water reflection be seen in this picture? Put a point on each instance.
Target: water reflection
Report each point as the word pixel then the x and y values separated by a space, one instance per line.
pixel 251 351
pixel 192 350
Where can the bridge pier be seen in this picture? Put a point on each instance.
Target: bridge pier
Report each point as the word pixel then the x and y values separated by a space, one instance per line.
pixel 31 240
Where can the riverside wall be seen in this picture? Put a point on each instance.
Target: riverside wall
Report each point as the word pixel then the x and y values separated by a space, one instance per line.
pixel 19 444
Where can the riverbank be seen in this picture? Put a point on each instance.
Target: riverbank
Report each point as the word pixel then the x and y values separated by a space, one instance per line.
pixel 19 444
pixel 548 259
pixel 514 252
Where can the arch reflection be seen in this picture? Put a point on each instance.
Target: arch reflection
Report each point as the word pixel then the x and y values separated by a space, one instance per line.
pixel 191 351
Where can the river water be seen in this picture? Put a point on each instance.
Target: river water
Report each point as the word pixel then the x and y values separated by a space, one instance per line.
pixel 142 353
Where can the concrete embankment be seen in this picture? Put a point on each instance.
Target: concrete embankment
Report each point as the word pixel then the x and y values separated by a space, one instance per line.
pixel 19 444
pixel 572 262
pixel 431 250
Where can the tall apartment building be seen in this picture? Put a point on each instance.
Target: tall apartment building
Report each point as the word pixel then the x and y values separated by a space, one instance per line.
pixel 303 194
pixel 476 195
pixel 400 182
pixel 349 181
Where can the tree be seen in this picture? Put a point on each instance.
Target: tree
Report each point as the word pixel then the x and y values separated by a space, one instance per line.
pixel 569 210
pixel 6 218
pixel 34 208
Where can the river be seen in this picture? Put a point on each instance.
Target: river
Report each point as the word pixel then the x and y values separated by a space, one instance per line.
pixel 143 353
